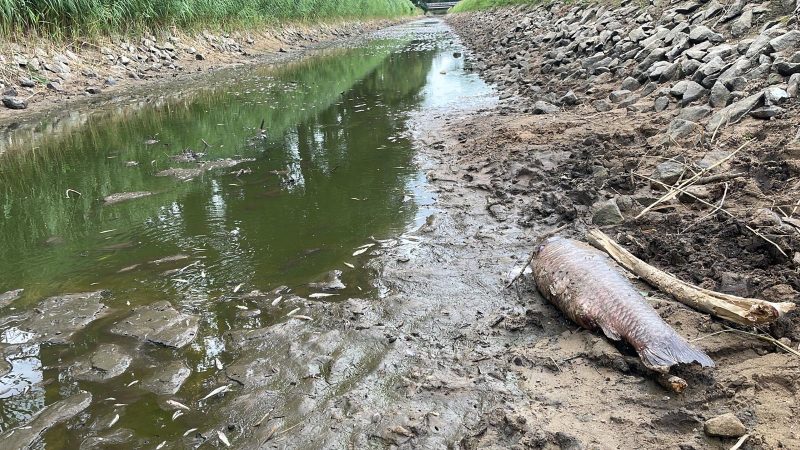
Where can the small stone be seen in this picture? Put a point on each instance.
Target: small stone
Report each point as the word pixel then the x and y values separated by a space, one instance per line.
pixel 661 103
pixel 619 96
pixel 26 82
pixel 542 107
pixel 719 95
pixel 601 106
pixel 92 90
pixel 55 86
pixel 14 102
pixel 789 40
pixel 630 84
pixel 110 81
pixel 726 425
pixel 199 57
pixel 741 25
pixel 767 112
pixel 569 99
pixel 607 213
pixel 668 172
pixel 775 95
pixel 680 128
pixel 703 33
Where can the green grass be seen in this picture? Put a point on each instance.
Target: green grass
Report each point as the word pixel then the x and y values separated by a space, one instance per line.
pixel 477 5
pixel 63 18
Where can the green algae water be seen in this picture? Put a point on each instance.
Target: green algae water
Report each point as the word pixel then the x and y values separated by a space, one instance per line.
pixel 220 199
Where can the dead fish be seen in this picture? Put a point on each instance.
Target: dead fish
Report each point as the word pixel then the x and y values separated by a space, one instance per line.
pixel 583 283
pixel 224 438
pixel 178 405
pixel 113 421
pixel 350 265
pixel 216 391
pixel 189 431
pixel 277 300
pixel 321 295
pixel 161 445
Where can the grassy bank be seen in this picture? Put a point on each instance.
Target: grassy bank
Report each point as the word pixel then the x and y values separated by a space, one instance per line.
pixel 61 18
pixel 476 5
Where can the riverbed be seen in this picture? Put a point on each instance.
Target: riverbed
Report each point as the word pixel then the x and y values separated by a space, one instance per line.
pixel 215 235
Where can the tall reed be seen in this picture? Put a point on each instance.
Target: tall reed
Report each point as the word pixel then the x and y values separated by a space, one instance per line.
pixel 82 17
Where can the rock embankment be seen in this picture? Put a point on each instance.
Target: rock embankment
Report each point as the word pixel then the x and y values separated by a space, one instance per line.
pixel 717 62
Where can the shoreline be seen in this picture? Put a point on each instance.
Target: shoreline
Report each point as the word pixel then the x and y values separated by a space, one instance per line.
pixel 88 82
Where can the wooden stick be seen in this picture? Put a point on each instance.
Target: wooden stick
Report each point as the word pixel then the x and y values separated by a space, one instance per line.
pixel 744 311
pixel 740 442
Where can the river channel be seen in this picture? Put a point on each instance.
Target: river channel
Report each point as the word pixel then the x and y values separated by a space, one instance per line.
pixel 194 214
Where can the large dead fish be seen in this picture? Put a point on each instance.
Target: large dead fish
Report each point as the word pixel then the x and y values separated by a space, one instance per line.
pixel 584 284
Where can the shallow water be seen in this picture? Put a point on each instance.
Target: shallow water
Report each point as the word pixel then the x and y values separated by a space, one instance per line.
pixel 332 170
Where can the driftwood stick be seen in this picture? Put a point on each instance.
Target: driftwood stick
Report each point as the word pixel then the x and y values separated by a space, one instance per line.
pixel 740 310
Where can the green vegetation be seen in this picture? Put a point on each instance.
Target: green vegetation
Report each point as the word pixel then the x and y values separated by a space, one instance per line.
pixel 476 5
pixel 89 17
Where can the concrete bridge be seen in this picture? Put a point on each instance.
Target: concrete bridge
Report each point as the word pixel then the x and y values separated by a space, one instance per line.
pixel 436 7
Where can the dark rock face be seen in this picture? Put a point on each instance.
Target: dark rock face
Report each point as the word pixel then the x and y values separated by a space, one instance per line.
pixel 56 319
pixel 167 379
pixel 159 323
pixel 108 361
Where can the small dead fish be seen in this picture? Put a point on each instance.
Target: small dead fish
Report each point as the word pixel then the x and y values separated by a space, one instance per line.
pixel 238 287
pixel 189 431
pixel 277 300
pixel 302 317
pixel 223 438
pixel 292 312
pixel 177 414
pixel 321 295
pixel 350 265
pixel 178 405
pixel 218 363
pixel 161 445
pixel 113 421
pixel 216 391
pixel 132 383
pixel 242 307
pixel 360 251
pixel 583 283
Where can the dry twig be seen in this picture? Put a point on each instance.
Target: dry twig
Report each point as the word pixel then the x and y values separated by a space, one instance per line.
pixel 674 190
pixel 728 213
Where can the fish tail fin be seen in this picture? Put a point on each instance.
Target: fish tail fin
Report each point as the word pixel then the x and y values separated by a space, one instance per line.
pixel 671 350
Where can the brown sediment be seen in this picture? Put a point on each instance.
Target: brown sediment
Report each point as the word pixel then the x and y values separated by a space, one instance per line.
pixel 584 285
